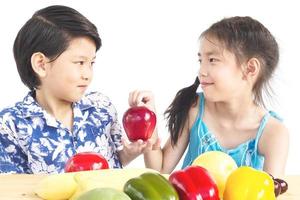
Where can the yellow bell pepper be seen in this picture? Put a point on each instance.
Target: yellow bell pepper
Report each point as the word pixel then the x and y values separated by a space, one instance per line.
pixel 246 183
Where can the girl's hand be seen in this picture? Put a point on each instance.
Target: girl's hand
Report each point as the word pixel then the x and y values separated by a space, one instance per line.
pixel 142 98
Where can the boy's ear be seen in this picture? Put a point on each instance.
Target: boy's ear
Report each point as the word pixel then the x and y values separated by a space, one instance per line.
pixel 38 63
pixel 252 68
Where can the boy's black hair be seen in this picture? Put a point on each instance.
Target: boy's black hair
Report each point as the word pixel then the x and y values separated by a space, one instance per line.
pixel 49 31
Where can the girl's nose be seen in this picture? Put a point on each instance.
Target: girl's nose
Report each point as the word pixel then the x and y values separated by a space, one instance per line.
pixel 203 71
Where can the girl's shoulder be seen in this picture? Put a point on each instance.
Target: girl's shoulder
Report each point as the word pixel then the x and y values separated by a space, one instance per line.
pixel 194 112
pixel 275 131
pixel 275 126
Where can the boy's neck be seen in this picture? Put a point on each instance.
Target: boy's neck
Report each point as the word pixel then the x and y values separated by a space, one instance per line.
pixel 58 108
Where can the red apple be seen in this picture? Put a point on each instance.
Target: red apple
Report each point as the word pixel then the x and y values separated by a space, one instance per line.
pixel 139 123
pixel 86 161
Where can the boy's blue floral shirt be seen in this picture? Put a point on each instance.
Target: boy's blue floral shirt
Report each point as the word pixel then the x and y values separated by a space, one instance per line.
pixel 33 141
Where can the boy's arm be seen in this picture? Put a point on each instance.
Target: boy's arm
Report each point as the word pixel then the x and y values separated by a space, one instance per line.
pixel 9 151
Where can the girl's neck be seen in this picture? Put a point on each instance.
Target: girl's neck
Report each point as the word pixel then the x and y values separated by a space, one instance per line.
pixel 54 106
pixel 236 110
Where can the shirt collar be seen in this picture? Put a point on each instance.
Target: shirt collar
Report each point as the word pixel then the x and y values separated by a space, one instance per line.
pixel 31 108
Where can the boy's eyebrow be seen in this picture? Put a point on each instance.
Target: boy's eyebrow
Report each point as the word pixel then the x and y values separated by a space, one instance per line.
pixel 85 57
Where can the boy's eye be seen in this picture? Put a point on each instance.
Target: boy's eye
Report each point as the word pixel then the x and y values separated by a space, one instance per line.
pixel 213 60
pixel 79 62
pixel 200 60
pixel 92 63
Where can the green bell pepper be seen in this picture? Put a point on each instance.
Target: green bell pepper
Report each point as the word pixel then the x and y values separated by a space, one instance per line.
pixel 150 186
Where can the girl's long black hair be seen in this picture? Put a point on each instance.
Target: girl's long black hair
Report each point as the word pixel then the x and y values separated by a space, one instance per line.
pixel 177 113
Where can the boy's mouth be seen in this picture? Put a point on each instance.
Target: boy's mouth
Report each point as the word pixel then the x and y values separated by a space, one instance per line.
pixel 83 87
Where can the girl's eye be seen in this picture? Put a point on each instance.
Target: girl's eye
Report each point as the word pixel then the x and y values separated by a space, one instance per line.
pixel 92 63
pixel 200 60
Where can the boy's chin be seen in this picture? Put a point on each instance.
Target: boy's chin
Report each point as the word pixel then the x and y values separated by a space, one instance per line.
pixel 74 98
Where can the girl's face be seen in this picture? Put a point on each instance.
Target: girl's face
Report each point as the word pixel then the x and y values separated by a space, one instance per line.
pixel 71 73
pixel 220 76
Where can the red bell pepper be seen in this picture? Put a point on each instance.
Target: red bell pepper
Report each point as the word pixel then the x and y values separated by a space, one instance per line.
pixel 194 183
pixel 86 161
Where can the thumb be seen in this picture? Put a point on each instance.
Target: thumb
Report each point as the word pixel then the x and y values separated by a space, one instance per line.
pixel 156 145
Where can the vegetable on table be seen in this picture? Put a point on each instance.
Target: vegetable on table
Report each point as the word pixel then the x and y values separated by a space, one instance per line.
pixel 194 183
pixel 250 184
pixel 150 186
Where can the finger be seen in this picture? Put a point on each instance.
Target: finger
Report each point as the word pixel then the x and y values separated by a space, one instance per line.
pixel 139 141
pixel 124 142
pixel 148 147
pixel 131 98
pixel 156 145
pixel 144 97
pixel 136 98
pixel 141 145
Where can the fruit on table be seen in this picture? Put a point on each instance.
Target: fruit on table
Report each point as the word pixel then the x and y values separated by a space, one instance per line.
pixel 109 178
pixel 150 186
pixel 139 123
pixel 280 185
pixel 194 183
pixel 71 185
pixel 85 161
pixel 250 184
pixel 103 194
pixel 56 187
pixel 219 165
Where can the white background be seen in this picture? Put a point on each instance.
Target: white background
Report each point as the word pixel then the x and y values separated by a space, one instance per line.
pixel 153 45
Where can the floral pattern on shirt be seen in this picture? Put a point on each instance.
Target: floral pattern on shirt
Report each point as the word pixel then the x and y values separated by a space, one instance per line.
pixel 33 141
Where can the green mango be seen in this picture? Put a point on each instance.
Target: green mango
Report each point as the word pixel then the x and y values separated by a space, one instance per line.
pixel 103 194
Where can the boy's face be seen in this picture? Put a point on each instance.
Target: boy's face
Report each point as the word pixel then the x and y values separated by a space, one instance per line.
pixel 71 73
pixel 220 75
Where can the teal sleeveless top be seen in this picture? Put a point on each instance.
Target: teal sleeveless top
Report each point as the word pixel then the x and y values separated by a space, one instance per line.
pixel 202 140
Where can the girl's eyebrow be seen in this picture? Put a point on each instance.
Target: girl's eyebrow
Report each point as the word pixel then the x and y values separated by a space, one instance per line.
pixel 209 53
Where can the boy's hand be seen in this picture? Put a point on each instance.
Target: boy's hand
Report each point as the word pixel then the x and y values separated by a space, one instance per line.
pixel 131 150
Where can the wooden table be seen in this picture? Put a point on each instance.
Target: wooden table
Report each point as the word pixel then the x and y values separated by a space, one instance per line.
pixel 21 187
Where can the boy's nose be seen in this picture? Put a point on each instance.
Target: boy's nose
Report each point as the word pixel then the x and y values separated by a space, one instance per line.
pixel 86 74
pixel 84 78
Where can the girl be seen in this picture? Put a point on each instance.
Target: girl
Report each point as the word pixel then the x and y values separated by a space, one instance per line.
pixel 237 58
pixel 55 51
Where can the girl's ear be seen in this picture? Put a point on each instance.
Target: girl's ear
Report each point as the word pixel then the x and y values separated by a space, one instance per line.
pixel 252 68
pixel 38 63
